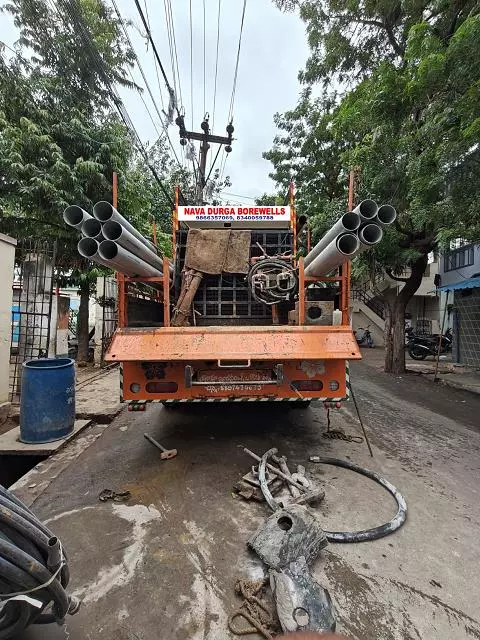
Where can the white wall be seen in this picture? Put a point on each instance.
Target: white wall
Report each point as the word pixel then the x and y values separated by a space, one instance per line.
pixel 7 258
pixel 363 316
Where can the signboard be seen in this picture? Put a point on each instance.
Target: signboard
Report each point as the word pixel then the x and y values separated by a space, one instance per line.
pixel 229 213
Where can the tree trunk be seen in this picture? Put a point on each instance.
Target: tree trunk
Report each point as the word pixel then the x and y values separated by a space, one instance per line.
pixel 394 333
pixel 82 324
pixel 395 304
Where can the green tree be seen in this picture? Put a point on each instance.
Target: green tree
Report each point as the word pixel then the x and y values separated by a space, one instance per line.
pixel 408 115
pixel 60 140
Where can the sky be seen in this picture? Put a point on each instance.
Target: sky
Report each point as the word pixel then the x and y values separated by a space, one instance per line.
pixel 273 50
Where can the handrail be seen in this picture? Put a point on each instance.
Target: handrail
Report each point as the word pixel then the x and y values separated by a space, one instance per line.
pixel 372 303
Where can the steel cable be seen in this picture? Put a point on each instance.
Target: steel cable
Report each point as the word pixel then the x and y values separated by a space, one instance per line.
pixel 376 532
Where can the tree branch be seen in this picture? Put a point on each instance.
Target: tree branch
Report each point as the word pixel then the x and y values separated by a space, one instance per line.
pixel 391 38
pixel 401 230
pixel 397 278
pixel 399 50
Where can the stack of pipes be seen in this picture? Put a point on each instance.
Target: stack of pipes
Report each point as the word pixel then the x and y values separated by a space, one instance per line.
pixel 354 232
pixel 110 240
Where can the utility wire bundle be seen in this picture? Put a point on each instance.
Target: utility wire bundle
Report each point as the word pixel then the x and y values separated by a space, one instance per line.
pixel 33 570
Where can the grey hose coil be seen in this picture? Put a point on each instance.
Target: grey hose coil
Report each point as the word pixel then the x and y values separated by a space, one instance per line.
pixel 32 563
pixel 377 532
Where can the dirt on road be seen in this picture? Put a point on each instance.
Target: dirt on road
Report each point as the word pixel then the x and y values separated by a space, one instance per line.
pixel 164 564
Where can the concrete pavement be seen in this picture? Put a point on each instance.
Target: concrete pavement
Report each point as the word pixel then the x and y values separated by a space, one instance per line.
pixel 164 564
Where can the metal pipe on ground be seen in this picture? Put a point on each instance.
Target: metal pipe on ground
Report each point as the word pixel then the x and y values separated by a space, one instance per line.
pixel 367 210
pixel 340 249
pixel 104 212
pixel 92 228
pixel 349 222
pixel 75 216
pixel 369 234
pixel 386 215
pixel 126 261
pixel 117 233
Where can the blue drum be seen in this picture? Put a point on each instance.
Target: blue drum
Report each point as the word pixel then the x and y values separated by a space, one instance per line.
pixel 47 402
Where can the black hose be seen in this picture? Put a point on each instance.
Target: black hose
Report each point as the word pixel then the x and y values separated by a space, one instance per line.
pixel 376 532
pixel 33 564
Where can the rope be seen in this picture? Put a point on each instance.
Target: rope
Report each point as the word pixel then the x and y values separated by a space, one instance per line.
pixel 339 434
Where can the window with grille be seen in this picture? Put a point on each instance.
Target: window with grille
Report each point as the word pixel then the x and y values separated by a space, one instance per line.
pixel 458 258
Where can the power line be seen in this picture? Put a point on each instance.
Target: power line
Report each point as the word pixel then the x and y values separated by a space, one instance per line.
pixel 164 127
pixel 149 36
pixel 191 61
pixel 204 62
pixel 172 41
pixel 72 9
pixel 155 60
pixel 237 195
pixel 213 163
pixel 216 65
pixel 232 99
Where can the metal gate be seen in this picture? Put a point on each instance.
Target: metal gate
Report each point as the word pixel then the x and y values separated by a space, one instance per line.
pixel 106 320
pixel 31 307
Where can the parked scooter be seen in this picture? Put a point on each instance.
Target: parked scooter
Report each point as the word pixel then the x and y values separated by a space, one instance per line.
pixel 364 339
pixel 420 347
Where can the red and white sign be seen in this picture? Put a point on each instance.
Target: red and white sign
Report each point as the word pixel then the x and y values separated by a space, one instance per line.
pixel 229 213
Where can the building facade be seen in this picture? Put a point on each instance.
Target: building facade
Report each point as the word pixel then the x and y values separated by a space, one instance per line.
pixel 460 287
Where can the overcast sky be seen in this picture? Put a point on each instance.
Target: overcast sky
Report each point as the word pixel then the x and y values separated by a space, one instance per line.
pixel 273 50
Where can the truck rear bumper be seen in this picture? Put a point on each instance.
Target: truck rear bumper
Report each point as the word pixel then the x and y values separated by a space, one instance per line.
pixel 277 343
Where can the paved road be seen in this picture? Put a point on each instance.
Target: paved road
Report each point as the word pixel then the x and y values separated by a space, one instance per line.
pixel 164 565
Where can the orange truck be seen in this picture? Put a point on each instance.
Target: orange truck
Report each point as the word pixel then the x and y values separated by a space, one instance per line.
pixel 238 347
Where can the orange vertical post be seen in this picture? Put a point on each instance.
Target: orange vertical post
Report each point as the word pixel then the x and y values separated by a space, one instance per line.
pixel 346 267
pixel 166 292
pixel 122 312
pixel 175 222
pixel 301 292
pixel 293 220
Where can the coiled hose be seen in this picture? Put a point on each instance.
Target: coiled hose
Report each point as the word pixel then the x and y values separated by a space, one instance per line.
pixel 376 532
pixel 33 570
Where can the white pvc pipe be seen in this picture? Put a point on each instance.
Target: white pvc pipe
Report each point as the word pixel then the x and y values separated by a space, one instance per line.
pixel 340 249
pixel 75 216
pixel 104 212
pixel 126 261
pixel 367 210
pixel 386 215
pixel 114 231
pixel 88 248
pixel 92 228
pixel 370 234
pixel 347 223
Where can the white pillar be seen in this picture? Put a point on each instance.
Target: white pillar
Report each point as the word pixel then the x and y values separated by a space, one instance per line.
pixel 7 260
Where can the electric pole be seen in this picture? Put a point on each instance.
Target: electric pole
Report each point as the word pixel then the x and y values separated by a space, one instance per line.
pixel 205 138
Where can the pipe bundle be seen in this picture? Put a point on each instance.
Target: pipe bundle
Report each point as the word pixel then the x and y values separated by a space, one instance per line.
pixel 110 240
pixel 354 232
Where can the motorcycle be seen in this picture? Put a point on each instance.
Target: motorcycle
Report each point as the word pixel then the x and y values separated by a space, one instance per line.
pixel 364 339
pixel 420 347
